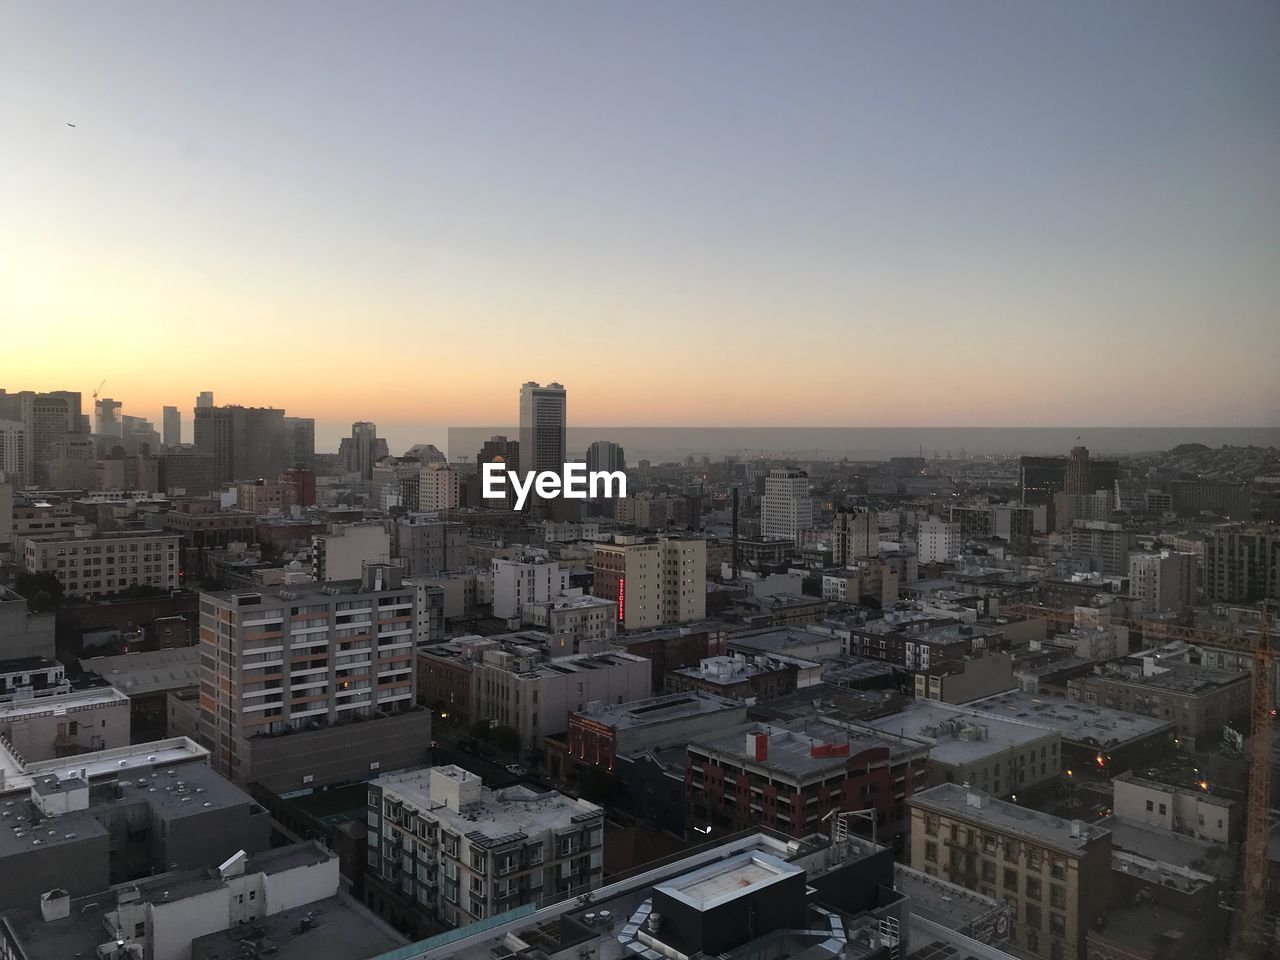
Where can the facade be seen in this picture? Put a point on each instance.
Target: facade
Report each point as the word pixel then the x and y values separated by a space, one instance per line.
pixel 937 540
pixel 188 473
pixel 23 634
pixel 994 754
pixel 526 578
pixel 670 648
pixel 45 418
pixel 855 535
pixel 342 553
pixel 66 723
pixel 790 779
pixel 654 581
pixel 601 732
pixel 447 847
pixel 285 671
pixel 13 452
pixel 1162 581
pixel 589 623
pixel 542 427
pixel 1104 545
pixel 266 496
pixel 1190 498
pixel 172 423
pixel 363 449
pixel 99 566
pixel 246 442
pixel 969 679
pixel 1191 812
pixel 427 545
pixel 439 487
pixel 300 440
pixel 1242 564
pixel 606 455
pixel 1056 874
pixel 787 508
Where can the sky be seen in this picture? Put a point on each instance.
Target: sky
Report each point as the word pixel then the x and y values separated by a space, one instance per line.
pixel 813 213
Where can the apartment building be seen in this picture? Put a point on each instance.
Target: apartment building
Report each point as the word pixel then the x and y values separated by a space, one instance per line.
pixel 1189 810
pixel 65 723
pixel 445 847
pixel 654 581
pixel 589 623
pixel 937 540
pixel 98 566
pixel 529 577
pixel 789 778
pixel 1055 874
pixel 763 676
pixel 311 684
pixel 1104 545
pixel 855 535
pixel 787 508
pixel 1242 564
pixel 266 496
pixel 428 545
pixel 1162 581
pixel 343 552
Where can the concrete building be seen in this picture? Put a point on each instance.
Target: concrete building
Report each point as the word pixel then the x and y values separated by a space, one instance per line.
pixel 1199 700
pixel 606 455
pixel 1190 498
pixel 763 676
pixel 99 566
pixel 601 732
pixel 530 577
pixel 363 449
pixel 246 442
pixel 791 778
pixel 266 496
pixel 172 422
pixel 855 535
pixel 188 472
pixel 862 578
pixel 343 552
pixel 300 442
pixel 1104 545
pixel 937 540
pixel 428 545
pixel 542 427
pixel 311 684
pixel 13 452
pixel 1242 564
pixel 32 678
pixel 24 634
pixel 71 463
pixel 66 723
pixel 1162 581
pixel 439 487
pixel 588 623
pixel 993 754
pixel 969 679
pixel 1183 810
pixel 81 829
pixel 147 677
pixel 443 845
pixel 1055 873
pixel 655 581
pixel 787 508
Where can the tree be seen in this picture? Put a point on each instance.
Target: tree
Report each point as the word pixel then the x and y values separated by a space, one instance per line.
pixel 505 739
pixel 42 590
pixel 479 730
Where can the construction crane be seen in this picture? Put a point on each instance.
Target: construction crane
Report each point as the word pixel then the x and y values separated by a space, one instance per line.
pixel 1253 934
pixel 97 390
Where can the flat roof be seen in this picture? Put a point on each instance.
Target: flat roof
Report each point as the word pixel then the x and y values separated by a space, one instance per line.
pixel 148 671
pixel 955 801
pixel 957 736
pixel 338 926
pixel 663 709
pixel 944 902
pixel 792 751
pixel 60 703
pixel 719 883
pixel 118 761
pixel 1082 723
pixel 779 639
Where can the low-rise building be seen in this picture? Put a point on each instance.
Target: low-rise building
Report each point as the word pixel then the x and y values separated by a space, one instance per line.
pixel 761 676
pixel 670 648
pixel 98 566
pixel 1054 873
pixel 590 623
pixel 969 679
pixel 343 552
pixel 147 677
pixel 66 723
pixel 443 845
pixel 1189 810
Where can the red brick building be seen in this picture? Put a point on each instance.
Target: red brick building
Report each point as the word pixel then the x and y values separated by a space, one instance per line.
pixel 670 648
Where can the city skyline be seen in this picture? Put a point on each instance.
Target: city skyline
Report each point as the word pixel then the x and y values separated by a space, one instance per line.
pixel 578 184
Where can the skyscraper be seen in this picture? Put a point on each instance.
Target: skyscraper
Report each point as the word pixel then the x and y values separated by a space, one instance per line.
pixel 542 427
pixel 606 455
pixel 106 417
pixel 1079 478
pixel 172 427
pixel 205 399
pixel 364 449
pixel 787 508
pixel 300 438
pixel 247 442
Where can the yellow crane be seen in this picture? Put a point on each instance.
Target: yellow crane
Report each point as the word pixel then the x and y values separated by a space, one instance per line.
pixel 1253 935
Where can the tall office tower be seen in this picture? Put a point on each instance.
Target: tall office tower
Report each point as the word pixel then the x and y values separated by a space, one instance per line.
pixel 606 455
pixel 13 453
pixel 787 509
pixel 300 440
pixel 46 417
pixel 1242 564
pixel 498 449
pixel 306 659
pixel 172 422
pixel 247 443
pixel 1079 476
pixel 205 399
pixel 106 417
pixel 855 535
pixel 363 449
pixel 542 427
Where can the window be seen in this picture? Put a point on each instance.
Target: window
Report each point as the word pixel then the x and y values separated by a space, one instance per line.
pixel 1010 879
pixel 1033 916
pixel 931 851
pixel 1057 925
pixel 988 871
pixel 1033 888
pixel 930 825
pixel 1057 896
pixel 1011 853
pixel 1033 941
pixel 1162 809
pixel 1150 806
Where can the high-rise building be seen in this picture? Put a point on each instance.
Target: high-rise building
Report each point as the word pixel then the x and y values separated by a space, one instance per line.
pixel 787 509
pixel 45 417
pixel 363 449
pixel 1041 477
pixel 532 578
pixel 1079 476
pixel 937 540
pixel 246 442
pixel 106 417
pixel 428 545
pixel 439 487
pixel 1162 581
pixel 306 659
pixel 172 435
pixel 606 455
pixel 300 438
pixel 1242 564
pixel 13 452
pixel 1104 545
pixel 653 580
pixel 855 535
pixel 204 399
pixel 542 427
pixel 1192 497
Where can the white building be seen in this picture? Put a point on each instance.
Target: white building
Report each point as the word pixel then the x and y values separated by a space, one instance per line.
pixel 442 841
pixel 439 488
pixel 653 580
pixel 1162 581
pixel 787 509
pixel 528 578
pixel 342 553
pixel 937 540
pixel 98 566
pixel 1195 813
pixel 589 623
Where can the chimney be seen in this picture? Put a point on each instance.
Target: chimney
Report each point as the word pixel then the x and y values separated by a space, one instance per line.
pixel 55 905
pixel 976 799
pixel 1077 828
pixel 758 746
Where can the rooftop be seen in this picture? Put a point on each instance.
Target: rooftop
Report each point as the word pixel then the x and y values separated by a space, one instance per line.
pixel 1073 836
pixel 336 927
pixel 148 671
pixel 663 709
pixel 946 903
pixel 717 884
pixel 786 640
pixel 58 704
pixel 18 777
pixel 737 667
pixel 802 749
pixel 1078 722
pixel 956 735
pixel 1173 677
